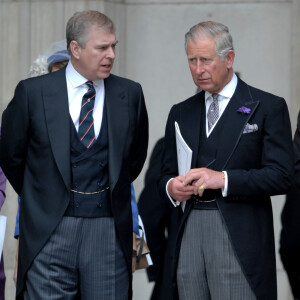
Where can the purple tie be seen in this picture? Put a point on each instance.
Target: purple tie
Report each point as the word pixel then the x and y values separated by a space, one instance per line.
pixel 86 130
pixel 213 112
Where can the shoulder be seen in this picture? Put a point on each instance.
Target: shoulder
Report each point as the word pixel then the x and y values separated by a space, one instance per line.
pixel 39 81
pixel 190 103
pixel 264 97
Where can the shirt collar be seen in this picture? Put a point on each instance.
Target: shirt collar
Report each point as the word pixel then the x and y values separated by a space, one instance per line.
pixel 227 91
pixel 76 79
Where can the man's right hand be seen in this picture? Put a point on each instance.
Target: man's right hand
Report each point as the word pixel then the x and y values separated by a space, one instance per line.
pixel 178 191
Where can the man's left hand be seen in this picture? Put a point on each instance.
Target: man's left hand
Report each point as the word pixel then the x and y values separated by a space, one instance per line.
pixel 203 178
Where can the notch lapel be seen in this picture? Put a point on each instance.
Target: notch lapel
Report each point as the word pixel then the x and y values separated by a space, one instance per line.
pixel 190 123
pixel 117 119
pixel 55 97
pixel 235 123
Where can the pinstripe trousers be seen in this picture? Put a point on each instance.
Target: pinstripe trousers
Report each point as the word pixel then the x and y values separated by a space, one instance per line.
pixel 79 261
pixel 208 268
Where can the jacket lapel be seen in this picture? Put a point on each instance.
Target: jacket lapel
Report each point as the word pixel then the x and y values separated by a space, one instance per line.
pixel 233 128
pixel 190 124
pixel 117 108
pixel 55 97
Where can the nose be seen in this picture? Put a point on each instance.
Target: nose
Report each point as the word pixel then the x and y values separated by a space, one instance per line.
pixel 199 67
pixel 111 52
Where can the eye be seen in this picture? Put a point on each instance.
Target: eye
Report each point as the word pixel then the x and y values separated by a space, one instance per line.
pixel 102 48
pixel 205 61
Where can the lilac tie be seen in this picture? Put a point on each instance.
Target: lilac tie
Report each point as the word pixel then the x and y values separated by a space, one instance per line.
pixel 213 112
pixel 86 130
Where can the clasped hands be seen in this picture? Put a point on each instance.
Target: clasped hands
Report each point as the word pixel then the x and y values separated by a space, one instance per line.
pixel 181 188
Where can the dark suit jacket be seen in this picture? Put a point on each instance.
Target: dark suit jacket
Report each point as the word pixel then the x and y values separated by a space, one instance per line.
pixel 35 156
pixel 290 218
pixel 258 164
pixel 161 222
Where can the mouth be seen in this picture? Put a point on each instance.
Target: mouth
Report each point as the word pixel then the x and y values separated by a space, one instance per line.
pixel 107 66
pixel 203 80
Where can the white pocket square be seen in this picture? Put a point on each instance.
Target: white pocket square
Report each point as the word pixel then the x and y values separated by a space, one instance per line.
pixel 250 128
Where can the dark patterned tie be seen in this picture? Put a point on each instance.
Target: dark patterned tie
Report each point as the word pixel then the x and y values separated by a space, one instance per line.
pixel 86 130
pixel 213 112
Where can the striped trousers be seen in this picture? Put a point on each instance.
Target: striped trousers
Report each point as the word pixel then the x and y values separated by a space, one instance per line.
pixel 81 260
pixel 208 268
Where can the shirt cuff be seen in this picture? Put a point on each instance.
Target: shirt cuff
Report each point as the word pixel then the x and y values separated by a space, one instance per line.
pixel 225 188
pixel 174 202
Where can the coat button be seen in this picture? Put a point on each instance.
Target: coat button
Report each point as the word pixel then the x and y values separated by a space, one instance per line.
pixel 99 205
pixel 76 204
pixel 75 185
pixel 75 165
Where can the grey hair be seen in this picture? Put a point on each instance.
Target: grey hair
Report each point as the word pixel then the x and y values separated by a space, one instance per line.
pixel 80 23
pixel 210 29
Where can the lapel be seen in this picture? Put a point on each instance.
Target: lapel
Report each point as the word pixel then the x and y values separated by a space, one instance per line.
pixel 233 128
pixel 117 120
pixel 55 97
pixel 190 123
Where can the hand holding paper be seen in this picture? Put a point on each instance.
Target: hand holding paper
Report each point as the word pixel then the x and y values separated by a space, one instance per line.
pixel 184 153
pixel 184 160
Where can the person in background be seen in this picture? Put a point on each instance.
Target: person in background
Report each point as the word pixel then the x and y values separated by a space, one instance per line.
pixel 160 222
pixel 242 155
pixel 58 60
pixel 75 179
pixel 290 219
pixel 2 199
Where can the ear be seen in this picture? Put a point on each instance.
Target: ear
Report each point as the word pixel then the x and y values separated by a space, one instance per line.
pixel 75 49
pixel 230 59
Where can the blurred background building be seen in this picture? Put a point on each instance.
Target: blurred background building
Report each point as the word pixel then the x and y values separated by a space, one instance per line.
pixel 266 35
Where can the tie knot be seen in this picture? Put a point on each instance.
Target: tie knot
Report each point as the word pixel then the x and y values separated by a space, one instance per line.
pixel 89 83
pixel 215 97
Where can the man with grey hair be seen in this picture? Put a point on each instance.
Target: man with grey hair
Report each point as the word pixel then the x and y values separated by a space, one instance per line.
pixel 242 154
pixel 75 141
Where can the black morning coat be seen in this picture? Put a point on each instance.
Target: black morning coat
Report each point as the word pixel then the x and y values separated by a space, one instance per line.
pixel 258 164
pixel 35 156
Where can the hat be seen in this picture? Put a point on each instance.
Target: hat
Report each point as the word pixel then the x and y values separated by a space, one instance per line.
pixel 42 62
pixel 57 57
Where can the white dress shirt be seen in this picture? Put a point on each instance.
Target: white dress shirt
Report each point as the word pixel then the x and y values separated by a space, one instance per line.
pixel 224 98
pixel 76 89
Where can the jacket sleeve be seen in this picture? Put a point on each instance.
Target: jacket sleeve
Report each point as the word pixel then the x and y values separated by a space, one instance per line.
pixel 14 138
pixel 297 154
pixel 138 150
pixel 169 168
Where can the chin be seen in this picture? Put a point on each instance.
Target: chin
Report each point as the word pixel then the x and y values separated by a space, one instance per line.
pixel 104 75
pixel 204 87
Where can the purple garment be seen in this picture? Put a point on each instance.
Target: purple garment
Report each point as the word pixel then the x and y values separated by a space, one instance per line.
pixel 2 187
pixel 2 198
